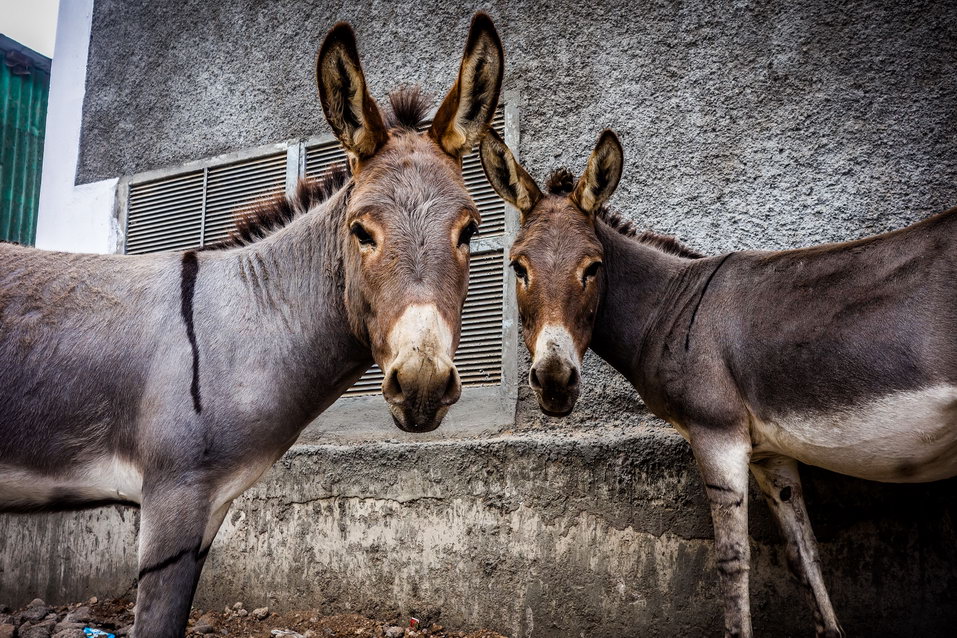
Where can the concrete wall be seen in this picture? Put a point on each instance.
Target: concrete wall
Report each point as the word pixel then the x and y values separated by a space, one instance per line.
pixel 551 536
pixel 746 125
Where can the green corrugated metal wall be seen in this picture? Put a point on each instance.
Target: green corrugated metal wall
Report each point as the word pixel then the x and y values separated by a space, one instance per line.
pixel 23 114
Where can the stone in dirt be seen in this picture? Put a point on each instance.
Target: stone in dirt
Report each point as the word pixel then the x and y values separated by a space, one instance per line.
pixel 7 631
pixel 261 614
pixel 237 606
pixel 206 624
pixel 79 615
pixel 6 619
pixel 39 630
pixel 34 612
pixel 394 632
pixel 72 632
pixel 65 626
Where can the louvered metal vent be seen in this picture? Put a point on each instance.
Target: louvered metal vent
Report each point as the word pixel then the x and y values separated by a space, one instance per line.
pixel 231 190
pixel 199 208
pixel 479 357
pixel 166 214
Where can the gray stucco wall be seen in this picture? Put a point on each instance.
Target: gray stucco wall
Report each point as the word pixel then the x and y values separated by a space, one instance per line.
pixel 745 125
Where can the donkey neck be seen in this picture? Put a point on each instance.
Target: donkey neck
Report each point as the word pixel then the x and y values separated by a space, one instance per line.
pixel 290 285
pixel 645 292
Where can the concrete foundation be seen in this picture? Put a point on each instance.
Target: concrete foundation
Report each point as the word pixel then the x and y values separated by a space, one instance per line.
pixel 530 535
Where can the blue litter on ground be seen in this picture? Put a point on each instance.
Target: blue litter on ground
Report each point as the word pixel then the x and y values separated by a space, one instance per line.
pixel 97 633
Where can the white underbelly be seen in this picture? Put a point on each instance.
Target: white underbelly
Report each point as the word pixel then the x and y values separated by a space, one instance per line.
pixel 907 437
pixel 109 478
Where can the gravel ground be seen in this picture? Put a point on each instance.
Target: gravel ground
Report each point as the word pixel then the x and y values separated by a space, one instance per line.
pixel 39 620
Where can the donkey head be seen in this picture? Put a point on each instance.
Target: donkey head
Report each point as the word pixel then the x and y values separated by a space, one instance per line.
pixel 410 218
pixel 557 259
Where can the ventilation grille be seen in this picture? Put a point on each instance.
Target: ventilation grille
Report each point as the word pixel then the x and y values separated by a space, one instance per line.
pixel 166 214
pixel 193 209
pixel 232 190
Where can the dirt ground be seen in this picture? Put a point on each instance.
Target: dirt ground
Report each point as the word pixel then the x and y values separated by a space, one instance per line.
pixel 39 620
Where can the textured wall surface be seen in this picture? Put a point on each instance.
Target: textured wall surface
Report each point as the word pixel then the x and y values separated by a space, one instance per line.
pixel 745 125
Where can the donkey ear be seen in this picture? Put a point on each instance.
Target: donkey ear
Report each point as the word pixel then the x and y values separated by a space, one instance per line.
pixel 601 175
pixel 465 113
pixel 506 175
pixel 351 112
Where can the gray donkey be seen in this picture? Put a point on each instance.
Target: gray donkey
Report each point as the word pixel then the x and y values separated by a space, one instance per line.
pixel 174 380
pixel 842 356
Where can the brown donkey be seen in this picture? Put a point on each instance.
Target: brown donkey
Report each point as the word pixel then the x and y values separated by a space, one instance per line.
pixel 842 356
pixel 174 380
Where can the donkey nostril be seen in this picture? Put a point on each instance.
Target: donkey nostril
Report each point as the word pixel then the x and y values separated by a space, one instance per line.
pixel 392 389
pixel 533 380
pixel 573 378
pixel 453 388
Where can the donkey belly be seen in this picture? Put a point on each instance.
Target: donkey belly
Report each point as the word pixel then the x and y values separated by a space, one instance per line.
pixel 905 437
pixel 103 479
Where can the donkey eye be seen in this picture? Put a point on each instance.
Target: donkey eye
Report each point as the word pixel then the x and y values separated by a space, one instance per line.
pixel 467 233
pixel 520 271
pixel 362 235
pixel 590 272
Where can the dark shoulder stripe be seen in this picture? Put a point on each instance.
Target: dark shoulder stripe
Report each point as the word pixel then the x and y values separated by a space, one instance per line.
pixel 187 293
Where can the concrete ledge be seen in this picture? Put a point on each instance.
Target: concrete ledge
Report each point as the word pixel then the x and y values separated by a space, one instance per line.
pixel 529 535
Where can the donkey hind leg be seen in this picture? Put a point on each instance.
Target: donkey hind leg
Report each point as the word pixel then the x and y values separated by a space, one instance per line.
pixel 780 482
pixel 176 530
pixel 723 459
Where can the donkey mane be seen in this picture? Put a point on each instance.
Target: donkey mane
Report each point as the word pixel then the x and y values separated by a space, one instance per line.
pixel 408 106
pixel 272 213
pixel 562 182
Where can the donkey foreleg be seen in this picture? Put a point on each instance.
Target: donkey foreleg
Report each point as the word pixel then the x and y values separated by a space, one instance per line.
pixel 176 530
pixel 723 461
pixel 780 482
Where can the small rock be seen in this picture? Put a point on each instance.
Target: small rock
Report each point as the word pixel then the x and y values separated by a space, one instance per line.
pixel 36 602
pixel 70 633
pixel 6 618
pixel 66 626
pixel 309 634
pixel 39 630
pixel 242 612
pixel 261 613
pixel 394 632
pixel 286 633
pixel 79 615
pixel 206 624
pixel 237 606
pixel 7 630
pixel 94 600
pixel 33 613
